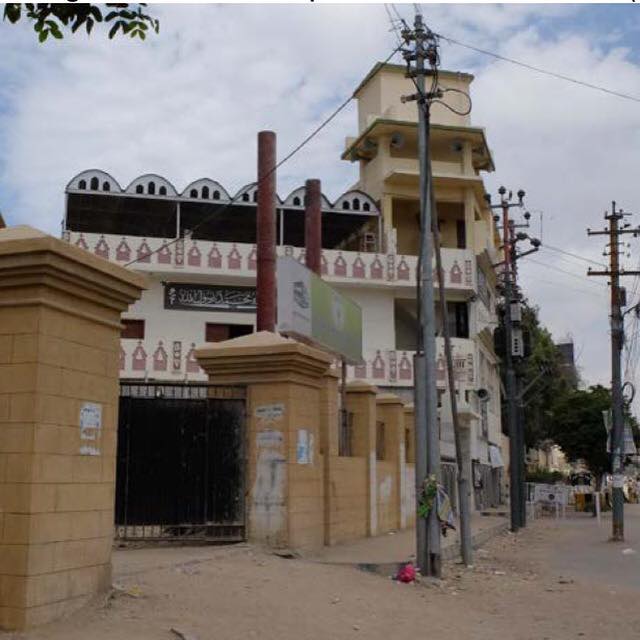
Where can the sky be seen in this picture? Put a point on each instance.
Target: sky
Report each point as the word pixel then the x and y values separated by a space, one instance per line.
pixel 188 102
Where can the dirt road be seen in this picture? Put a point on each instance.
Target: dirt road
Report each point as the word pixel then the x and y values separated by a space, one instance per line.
pixel 515 592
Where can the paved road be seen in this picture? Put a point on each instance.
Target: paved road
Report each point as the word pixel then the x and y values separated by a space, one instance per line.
pixel 583 550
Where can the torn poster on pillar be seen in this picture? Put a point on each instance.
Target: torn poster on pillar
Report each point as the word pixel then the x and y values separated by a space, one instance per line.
pixel 270 412
pixel 304 449
pixel 90 428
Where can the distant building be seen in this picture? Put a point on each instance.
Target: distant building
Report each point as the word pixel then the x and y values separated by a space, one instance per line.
pixel 568 364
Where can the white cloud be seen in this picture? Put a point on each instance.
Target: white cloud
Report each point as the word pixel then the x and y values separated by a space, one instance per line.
pixel 188 103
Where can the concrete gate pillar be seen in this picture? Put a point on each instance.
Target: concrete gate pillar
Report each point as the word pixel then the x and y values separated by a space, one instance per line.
pixel 361 402
pixel 60 312
pixel 390 410
pixel 286 382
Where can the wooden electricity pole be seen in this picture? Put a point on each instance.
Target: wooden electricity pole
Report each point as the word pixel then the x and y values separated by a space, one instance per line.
pixel 615 231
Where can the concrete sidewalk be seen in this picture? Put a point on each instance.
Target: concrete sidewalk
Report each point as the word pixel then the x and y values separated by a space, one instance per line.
pixel 399 547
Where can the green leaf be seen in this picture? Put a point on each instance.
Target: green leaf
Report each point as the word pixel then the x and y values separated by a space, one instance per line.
pixel 90 24
pixel 96 13
pixel 114 29
pixel 43 35
pixel 12 12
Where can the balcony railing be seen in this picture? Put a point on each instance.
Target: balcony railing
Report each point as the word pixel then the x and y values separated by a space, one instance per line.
pixel 389 367
pixel 239 260
pixel 172 358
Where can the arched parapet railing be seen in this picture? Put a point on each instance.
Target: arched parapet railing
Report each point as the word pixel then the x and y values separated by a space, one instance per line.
pixel 247 195
pixel 356 201
pixel 295 200
pixel 93 180
pixel 151 184
pixel 206 189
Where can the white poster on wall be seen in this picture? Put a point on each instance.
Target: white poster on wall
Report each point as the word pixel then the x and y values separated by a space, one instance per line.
pixel 302 449
pixel 90 428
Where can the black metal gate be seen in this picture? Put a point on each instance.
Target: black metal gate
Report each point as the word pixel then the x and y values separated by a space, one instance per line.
pixel 180 465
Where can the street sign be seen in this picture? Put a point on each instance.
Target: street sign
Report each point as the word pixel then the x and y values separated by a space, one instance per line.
pixel 311 309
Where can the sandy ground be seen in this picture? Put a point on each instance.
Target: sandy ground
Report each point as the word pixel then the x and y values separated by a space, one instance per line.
pixel 515 592
pixel 398 546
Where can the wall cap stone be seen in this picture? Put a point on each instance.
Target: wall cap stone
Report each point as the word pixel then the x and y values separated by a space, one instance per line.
pixel 263 357
pixel 357 386
pixel 32 260
pixel 389 399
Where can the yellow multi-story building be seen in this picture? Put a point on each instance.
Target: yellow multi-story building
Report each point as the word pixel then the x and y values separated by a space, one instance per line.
pixel 386 149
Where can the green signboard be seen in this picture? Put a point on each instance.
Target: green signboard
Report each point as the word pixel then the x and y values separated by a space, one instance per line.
pixel 310 308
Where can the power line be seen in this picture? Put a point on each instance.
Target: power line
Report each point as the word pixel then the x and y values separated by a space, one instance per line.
pixel 546 72
pixel 564 287
pixel 525 65
pixel 288 157
pixel 573 255
pixel 569 273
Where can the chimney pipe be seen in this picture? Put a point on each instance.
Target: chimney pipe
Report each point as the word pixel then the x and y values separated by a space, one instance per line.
pixel 313 226
pixel 266 233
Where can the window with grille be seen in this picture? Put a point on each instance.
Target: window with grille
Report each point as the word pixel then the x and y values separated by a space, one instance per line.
pixel 408 446
pixel 345 439
pixel 380 440
pixel 133 329
pixel 215 332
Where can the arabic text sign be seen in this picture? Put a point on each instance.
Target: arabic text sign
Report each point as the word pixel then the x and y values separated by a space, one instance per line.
pixel 309 307
pixel 203 297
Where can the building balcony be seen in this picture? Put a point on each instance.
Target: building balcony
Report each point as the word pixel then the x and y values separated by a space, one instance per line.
pixel 172 358
pixel 199 260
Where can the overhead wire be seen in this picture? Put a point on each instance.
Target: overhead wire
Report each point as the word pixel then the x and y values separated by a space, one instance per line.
pixel 526 65
pixel 573 255
pixel 583 278
pixel 530 67
pixel 286 158
pixel 559 285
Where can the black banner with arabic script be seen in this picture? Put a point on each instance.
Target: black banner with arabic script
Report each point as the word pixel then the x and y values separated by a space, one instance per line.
pixel 204 297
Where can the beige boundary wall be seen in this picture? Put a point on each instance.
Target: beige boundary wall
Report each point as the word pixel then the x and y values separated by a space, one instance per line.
pixel 59 342
pixel 301 493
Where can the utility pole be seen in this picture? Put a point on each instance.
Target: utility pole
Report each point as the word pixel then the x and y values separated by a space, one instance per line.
pixel 427 440
pixel 463 457
pixel 615 231
pixel 514 347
